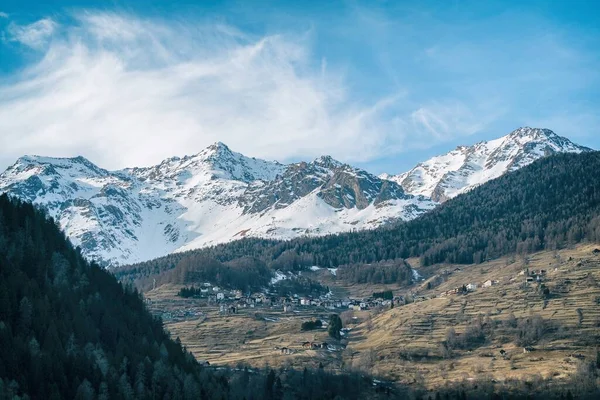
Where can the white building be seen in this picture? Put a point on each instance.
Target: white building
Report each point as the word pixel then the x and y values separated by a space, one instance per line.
pixel 220 296
pixel 471 287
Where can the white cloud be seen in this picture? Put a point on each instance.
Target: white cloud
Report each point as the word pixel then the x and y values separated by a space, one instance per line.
pixel 35 35
pixel 3 15
pixel 126 91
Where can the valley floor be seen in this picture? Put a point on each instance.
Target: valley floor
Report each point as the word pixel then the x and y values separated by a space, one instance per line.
pixel 438 338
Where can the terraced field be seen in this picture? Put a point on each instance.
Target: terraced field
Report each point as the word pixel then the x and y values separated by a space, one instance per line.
pixel 254 336
pixel 244 338
pixel 405 343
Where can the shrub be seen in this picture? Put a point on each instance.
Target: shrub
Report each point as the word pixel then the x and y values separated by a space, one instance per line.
pixel 530 330
pixel 311 325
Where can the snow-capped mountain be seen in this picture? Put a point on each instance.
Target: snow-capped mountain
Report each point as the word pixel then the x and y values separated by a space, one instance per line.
pixel 215 196
pixel 446 176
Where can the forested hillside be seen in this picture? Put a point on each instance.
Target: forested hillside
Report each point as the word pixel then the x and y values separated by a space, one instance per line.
pixel 68 330
pixel 549 204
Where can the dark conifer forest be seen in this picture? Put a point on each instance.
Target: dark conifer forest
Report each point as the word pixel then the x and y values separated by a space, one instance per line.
pixel 550 204
pixel 69 330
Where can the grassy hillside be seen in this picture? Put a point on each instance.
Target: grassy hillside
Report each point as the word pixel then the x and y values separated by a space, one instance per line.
pixel 482 335
pixel 439 341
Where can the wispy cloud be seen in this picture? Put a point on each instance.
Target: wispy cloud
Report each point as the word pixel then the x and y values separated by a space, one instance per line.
pixel 129 91
pixel 35 35
pixel 3 15
pixel 442 121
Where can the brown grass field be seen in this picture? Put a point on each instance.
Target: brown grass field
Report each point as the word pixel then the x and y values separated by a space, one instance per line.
pixel 404 344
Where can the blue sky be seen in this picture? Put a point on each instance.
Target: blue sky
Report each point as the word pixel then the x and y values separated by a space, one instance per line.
pixel 381 85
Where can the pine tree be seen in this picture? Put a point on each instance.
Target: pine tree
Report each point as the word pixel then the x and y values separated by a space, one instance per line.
pixel 335 326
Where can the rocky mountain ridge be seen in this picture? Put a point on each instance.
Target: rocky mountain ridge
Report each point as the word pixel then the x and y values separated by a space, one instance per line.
pixel 211 197
pixel 446 176
pixel 218 195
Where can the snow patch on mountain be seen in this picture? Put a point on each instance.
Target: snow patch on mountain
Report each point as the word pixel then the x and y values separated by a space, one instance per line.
pixel 446 176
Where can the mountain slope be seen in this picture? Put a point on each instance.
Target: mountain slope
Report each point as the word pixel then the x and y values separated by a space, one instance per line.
pixel 101 211
pixel 212 197
pixel 60 338
pixel 446 176
pixel 549 204
pixel 217 195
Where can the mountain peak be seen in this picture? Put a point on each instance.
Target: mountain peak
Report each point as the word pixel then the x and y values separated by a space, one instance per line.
pixel 216 151
pixel 532 133
pixel 34 158
pixel 543 139
pixel 219 147
pixel 456 172
pixel 328 162
pixel 29 164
